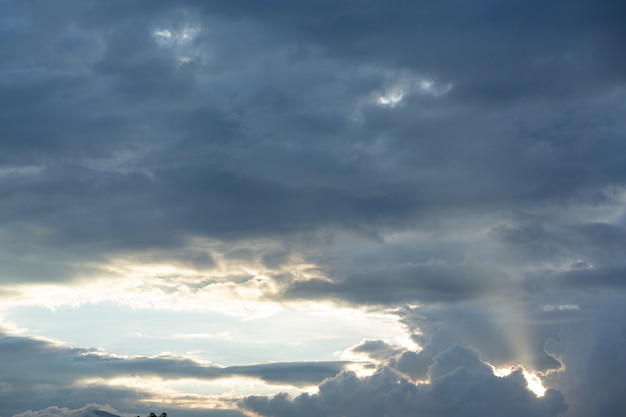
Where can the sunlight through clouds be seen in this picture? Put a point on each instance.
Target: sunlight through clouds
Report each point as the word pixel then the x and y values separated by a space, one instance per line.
pixel 405 85
pixel 180 42
pixel 535 384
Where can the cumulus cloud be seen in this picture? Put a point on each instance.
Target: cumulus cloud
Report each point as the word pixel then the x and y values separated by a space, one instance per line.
pixel 460 384
pixel 503 334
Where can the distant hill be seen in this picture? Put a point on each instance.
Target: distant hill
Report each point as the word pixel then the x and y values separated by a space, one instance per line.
pixel 91 410
pixel 99 413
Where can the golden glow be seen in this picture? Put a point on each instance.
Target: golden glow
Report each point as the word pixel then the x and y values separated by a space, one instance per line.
pixel 200 392
pixel 534 383
pixel 406 342
pixel 502 372
pixel 533 380
pixel 350 355
pixel 155 279
pixel 361 369
pixel 9 327
pixel 160 393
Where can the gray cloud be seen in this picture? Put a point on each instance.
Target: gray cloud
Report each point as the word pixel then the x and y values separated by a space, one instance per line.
pixel 189 136
pixel 38 373
pixel 503 334
pixel 610 277
pixel 537 239
pixel 27 360
pixel 593 351
pixel 460 385
pixel 432 281
pixel 549 49
pixel 375 349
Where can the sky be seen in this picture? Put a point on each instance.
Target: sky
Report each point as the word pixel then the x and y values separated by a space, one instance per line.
pixel 312 208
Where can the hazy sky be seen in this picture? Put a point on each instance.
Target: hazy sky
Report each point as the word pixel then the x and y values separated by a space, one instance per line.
pixel 313 208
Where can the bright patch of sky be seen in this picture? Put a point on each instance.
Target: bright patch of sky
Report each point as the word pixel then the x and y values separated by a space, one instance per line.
pixel 318 333
pixel 179 42
pixel 535 384
pixel 405 85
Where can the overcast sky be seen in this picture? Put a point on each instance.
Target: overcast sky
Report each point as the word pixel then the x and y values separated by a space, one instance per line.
pixel 312 208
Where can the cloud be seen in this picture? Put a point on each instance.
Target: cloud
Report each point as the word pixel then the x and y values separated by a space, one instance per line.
pixel 539 239
pixel 37 361
pixel 460 384
pixel 592 348
pixel 131 149
pixel 555 47
pixel 376 350
pixel 610 277
pixel 38 373
pixel 504 335
pixel 431 281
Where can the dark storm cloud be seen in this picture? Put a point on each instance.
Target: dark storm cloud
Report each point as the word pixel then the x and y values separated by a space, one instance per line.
pixel 432 282
pixel 460 385
pixel 540 239
pixel 136 147
pixel 495 51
